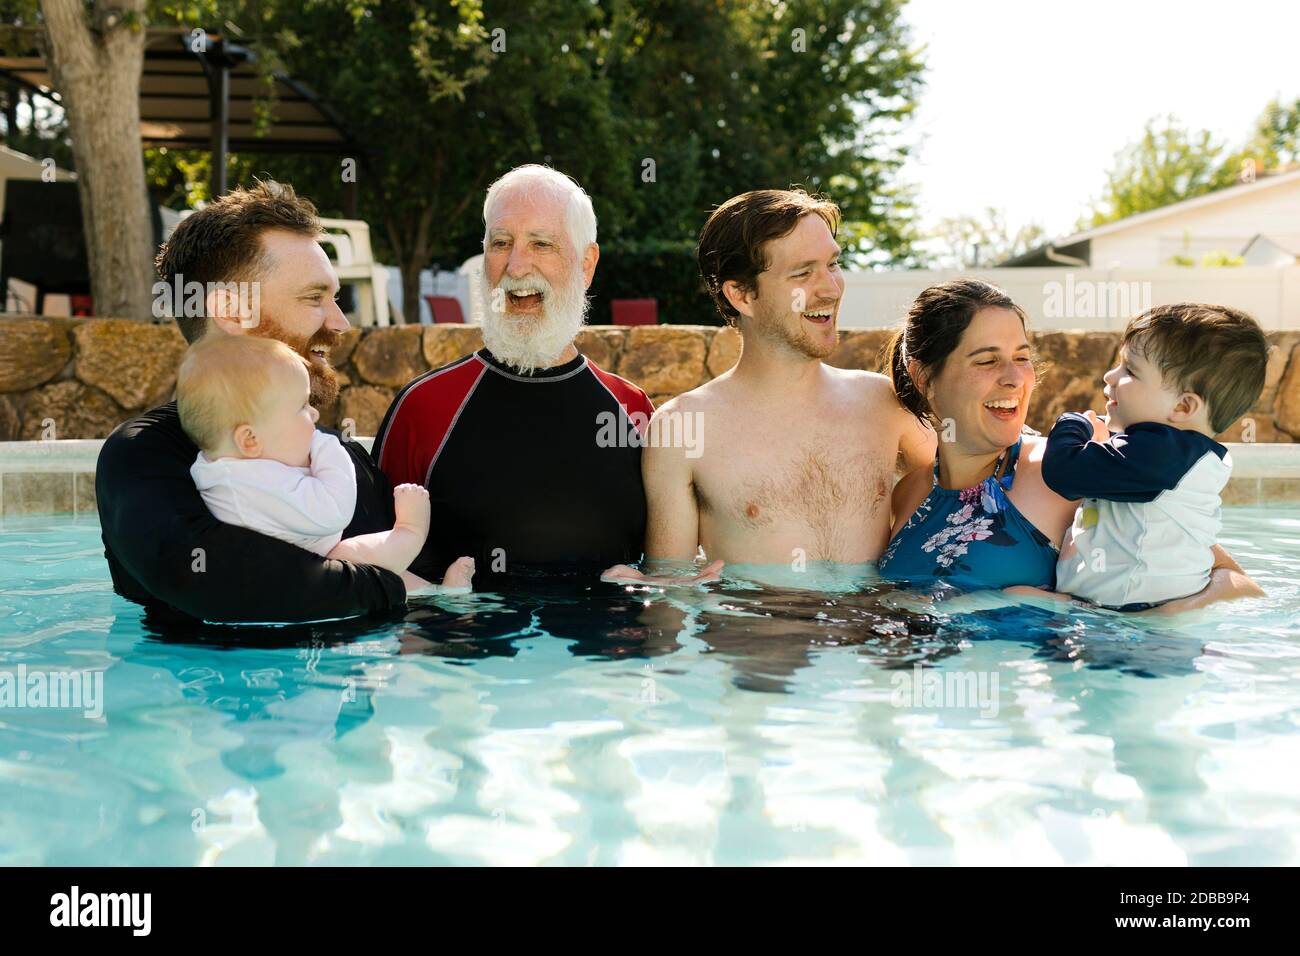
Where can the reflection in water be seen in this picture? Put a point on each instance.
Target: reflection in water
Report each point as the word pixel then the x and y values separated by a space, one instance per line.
pixel 271 699
pixel 688 777
pixel 575 722
pixel 767 634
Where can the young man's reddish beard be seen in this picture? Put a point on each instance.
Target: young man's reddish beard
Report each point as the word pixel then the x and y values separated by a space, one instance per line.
pixel 797 339
pixel 323 379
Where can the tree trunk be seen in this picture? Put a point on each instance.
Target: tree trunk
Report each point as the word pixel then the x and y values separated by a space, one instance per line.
pixel 410 242
pixel 96 57
pixel 411 291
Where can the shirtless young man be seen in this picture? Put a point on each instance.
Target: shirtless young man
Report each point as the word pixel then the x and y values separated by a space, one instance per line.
pixel 799 458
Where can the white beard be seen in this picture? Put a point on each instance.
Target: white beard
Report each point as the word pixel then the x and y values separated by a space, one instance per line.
pixel 530 342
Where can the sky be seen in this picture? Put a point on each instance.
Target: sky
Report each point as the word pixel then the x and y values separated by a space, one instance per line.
pixel 1028 101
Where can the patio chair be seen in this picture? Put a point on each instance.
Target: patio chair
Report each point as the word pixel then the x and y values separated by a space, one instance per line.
pixel 445 309
pixel 635 311
pixel 472 268
pixel 356 266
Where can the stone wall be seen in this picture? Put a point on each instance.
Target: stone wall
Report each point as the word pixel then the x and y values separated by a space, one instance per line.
pixel 84 376
pixel 78 378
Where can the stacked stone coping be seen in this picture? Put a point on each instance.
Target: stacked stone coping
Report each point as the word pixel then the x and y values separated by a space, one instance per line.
pixel 59 476
pixel 64 378
pixel 84 376
pixel 1250 460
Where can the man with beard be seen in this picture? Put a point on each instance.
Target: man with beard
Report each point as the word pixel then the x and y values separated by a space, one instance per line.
pixel 165 550
pixel 801 456
pixel 531 454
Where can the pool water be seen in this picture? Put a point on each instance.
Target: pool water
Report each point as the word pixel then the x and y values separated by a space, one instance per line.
pixel 575 722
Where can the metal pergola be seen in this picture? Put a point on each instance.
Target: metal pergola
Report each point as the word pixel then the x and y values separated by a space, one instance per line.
pixel 198 89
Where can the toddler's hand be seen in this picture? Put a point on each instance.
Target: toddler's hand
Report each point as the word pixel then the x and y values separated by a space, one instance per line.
pixel 1100 432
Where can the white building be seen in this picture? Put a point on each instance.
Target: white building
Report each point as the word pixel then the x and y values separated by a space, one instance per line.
pixel 1262 216
pixel 1100 278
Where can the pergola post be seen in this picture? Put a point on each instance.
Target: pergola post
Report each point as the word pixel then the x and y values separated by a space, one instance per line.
pixel 219 80
pixel 216 67
pixel 350 199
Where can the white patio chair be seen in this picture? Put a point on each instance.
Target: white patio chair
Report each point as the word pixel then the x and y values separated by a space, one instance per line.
pixel 472 268
pixel 356 266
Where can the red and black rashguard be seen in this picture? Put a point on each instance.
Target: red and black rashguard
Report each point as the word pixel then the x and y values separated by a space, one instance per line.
pixel 522 470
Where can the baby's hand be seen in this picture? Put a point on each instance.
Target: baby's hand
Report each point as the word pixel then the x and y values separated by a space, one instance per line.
pixel 411 504
pixel 1100 432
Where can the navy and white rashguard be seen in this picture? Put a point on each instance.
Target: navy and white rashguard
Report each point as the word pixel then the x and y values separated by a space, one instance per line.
pixel 1150 514
pixel 521 469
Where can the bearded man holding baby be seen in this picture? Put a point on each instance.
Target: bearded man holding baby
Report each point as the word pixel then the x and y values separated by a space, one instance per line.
pixel 165 549
pixel 508 441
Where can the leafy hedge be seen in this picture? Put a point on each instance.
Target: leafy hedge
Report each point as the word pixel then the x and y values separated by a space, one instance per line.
pixel 665 271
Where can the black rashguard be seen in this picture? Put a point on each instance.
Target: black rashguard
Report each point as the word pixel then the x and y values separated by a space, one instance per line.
pixel 167 552
pixel 536 471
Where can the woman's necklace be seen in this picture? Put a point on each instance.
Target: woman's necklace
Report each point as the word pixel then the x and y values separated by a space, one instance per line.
pixel 997 468
pixel 997 465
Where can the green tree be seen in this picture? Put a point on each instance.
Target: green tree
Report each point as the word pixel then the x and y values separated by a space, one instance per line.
pixel 731 97
pixel 965 242
pixel 444 98
pixel 660 108
pixel 1274 143
pixel 1166 165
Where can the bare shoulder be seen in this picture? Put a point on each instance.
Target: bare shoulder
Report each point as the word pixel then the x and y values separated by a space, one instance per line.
pixel 1046 510
pixel 871 384
pixel 1029 466
pixel 1032 448
pixel 677 428
pixel 713 395
pixel 690 401
pixel 876 397
pixel 870 388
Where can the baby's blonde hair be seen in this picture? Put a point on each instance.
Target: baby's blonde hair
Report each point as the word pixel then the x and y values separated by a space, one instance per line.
pixel 225 381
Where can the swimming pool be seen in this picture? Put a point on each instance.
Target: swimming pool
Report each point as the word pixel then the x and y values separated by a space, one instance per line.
pixel 576 722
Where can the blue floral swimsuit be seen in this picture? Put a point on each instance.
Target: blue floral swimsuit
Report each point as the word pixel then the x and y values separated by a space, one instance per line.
pixel 972 538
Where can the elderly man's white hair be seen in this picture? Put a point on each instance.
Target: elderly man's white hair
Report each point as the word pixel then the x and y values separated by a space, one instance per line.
pixel 579 216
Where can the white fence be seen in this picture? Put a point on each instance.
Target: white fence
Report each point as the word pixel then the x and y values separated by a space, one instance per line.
pixel 452 284
pixel 1091 299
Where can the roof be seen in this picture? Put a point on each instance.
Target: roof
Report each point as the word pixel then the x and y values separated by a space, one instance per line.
pixel 1078 244
pixel 1227 194
pixel 176 105
pixel 1288 244
pixel 1051 254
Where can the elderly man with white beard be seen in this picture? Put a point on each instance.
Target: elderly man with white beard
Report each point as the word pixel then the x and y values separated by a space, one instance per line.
pixel 512 441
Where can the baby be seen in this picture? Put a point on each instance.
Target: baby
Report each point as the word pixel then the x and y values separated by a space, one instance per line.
pixel 263 465
pixel 1151 474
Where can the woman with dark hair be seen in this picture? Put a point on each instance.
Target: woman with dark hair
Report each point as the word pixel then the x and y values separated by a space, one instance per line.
pixel 983 517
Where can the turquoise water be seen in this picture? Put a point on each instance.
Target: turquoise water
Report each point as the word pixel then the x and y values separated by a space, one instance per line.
pixel 576 722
